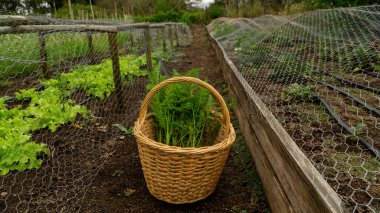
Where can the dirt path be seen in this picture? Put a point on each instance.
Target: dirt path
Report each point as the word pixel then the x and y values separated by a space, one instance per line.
pixel 199 54
pixel 120 185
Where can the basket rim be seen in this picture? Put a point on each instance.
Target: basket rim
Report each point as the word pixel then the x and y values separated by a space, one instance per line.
pixel 142 138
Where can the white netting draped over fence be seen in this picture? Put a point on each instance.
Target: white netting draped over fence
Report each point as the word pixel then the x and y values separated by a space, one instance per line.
pixel 66 90
pixel 319 74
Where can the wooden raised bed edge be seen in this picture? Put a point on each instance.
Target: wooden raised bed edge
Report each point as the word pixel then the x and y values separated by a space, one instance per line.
pixel 291 182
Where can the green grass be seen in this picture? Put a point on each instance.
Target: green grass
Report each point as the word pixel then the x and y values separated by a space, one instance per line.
pixel 20 55
pixel 356 165
pixel 252 180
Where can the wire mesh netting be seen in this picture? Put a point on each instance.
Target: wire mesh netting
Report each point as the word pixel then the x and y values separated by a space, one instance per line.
pixel 68 90
pixel 319 74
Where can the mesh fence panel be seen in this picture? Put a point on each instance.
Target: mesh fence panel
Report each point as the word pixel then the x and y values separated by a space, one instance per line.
pixel 60 111
pixel 319 75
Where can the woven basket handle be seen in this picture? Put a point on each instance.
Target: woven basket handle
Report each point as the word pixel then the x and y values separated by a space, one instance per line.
pixel 218 97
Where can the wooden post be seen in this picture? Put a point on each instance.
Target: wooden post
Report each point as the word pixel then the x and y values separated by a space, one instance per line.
pixel 171 37
pixel 148 48
pixel 176 35
pixel 90 52
pixel 43 53
pixel 164 38
pixel 71 10
pixel 92 10
pixel 114 2
pixel 114 51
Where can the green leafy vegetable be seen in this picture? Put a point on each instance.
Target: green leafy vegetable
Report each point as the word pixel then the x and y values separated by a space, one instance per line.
pixel 297 92
pixel 358 129
pixel 183 113
pixel 97 80
pixel 53 107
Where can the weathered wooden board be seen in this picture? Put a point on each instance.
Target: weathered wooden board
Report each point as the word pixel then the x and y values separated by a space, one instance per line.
pixel 291 182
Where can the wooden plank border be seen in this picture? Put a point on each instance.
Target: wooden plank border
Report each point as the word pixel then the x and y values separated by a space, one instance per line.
pixel 291 182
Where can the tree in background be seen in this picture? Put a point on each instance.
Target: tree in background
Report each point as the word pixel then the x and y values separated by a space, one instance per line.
pixel 145 7
pixel 253 8
pixel 216 10
pixel 160 10
pixel 10 5
pixel 35 6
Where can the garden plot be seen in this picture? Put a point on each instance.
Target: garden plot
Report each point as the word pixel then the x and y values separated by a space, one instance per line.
pixel 319 75
pixel 67 105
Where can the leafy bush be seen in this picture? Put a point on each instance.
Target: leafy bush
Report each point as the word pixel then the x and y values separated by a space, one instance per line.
pixel 172 16
pixel 215 11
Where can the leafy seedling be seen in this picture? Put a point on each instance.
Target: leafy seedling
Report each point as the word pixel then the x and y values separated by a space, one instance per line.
pixel 298 92
pixel 125 131
pixel 357 129
pixel 128 192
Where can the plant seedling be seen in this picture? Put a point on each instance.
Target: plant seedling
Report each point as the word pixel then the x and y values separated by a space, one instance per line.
pixel 298 92
pixel 357 129
pixel 125 131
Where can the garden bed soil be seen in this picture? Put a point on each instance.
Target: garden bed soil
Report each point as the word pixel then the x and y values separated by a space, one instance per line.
pixel 331 148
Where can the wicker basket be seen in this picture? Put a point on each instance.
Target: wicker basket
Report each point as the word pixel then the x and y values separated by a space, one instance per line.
pixel 182 175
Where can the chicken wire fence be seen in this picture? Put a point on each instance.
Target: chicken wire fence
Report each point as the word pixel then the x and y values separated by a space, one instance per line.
pixel 67 89
pixel 319 74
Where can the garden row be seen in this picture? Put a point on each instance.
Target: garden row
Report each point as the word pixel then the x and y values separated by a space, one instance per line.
pixel 318 74
pixel 52 106
pixel 48 103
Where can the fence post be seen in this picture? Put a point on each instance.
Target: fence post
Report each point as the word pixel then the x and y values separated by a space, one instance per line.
pixel 43 53
pixel 171 37
pixel 148 50
pixel 176 35
pixel 163 31
pixel 114 51
pixel 90 52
